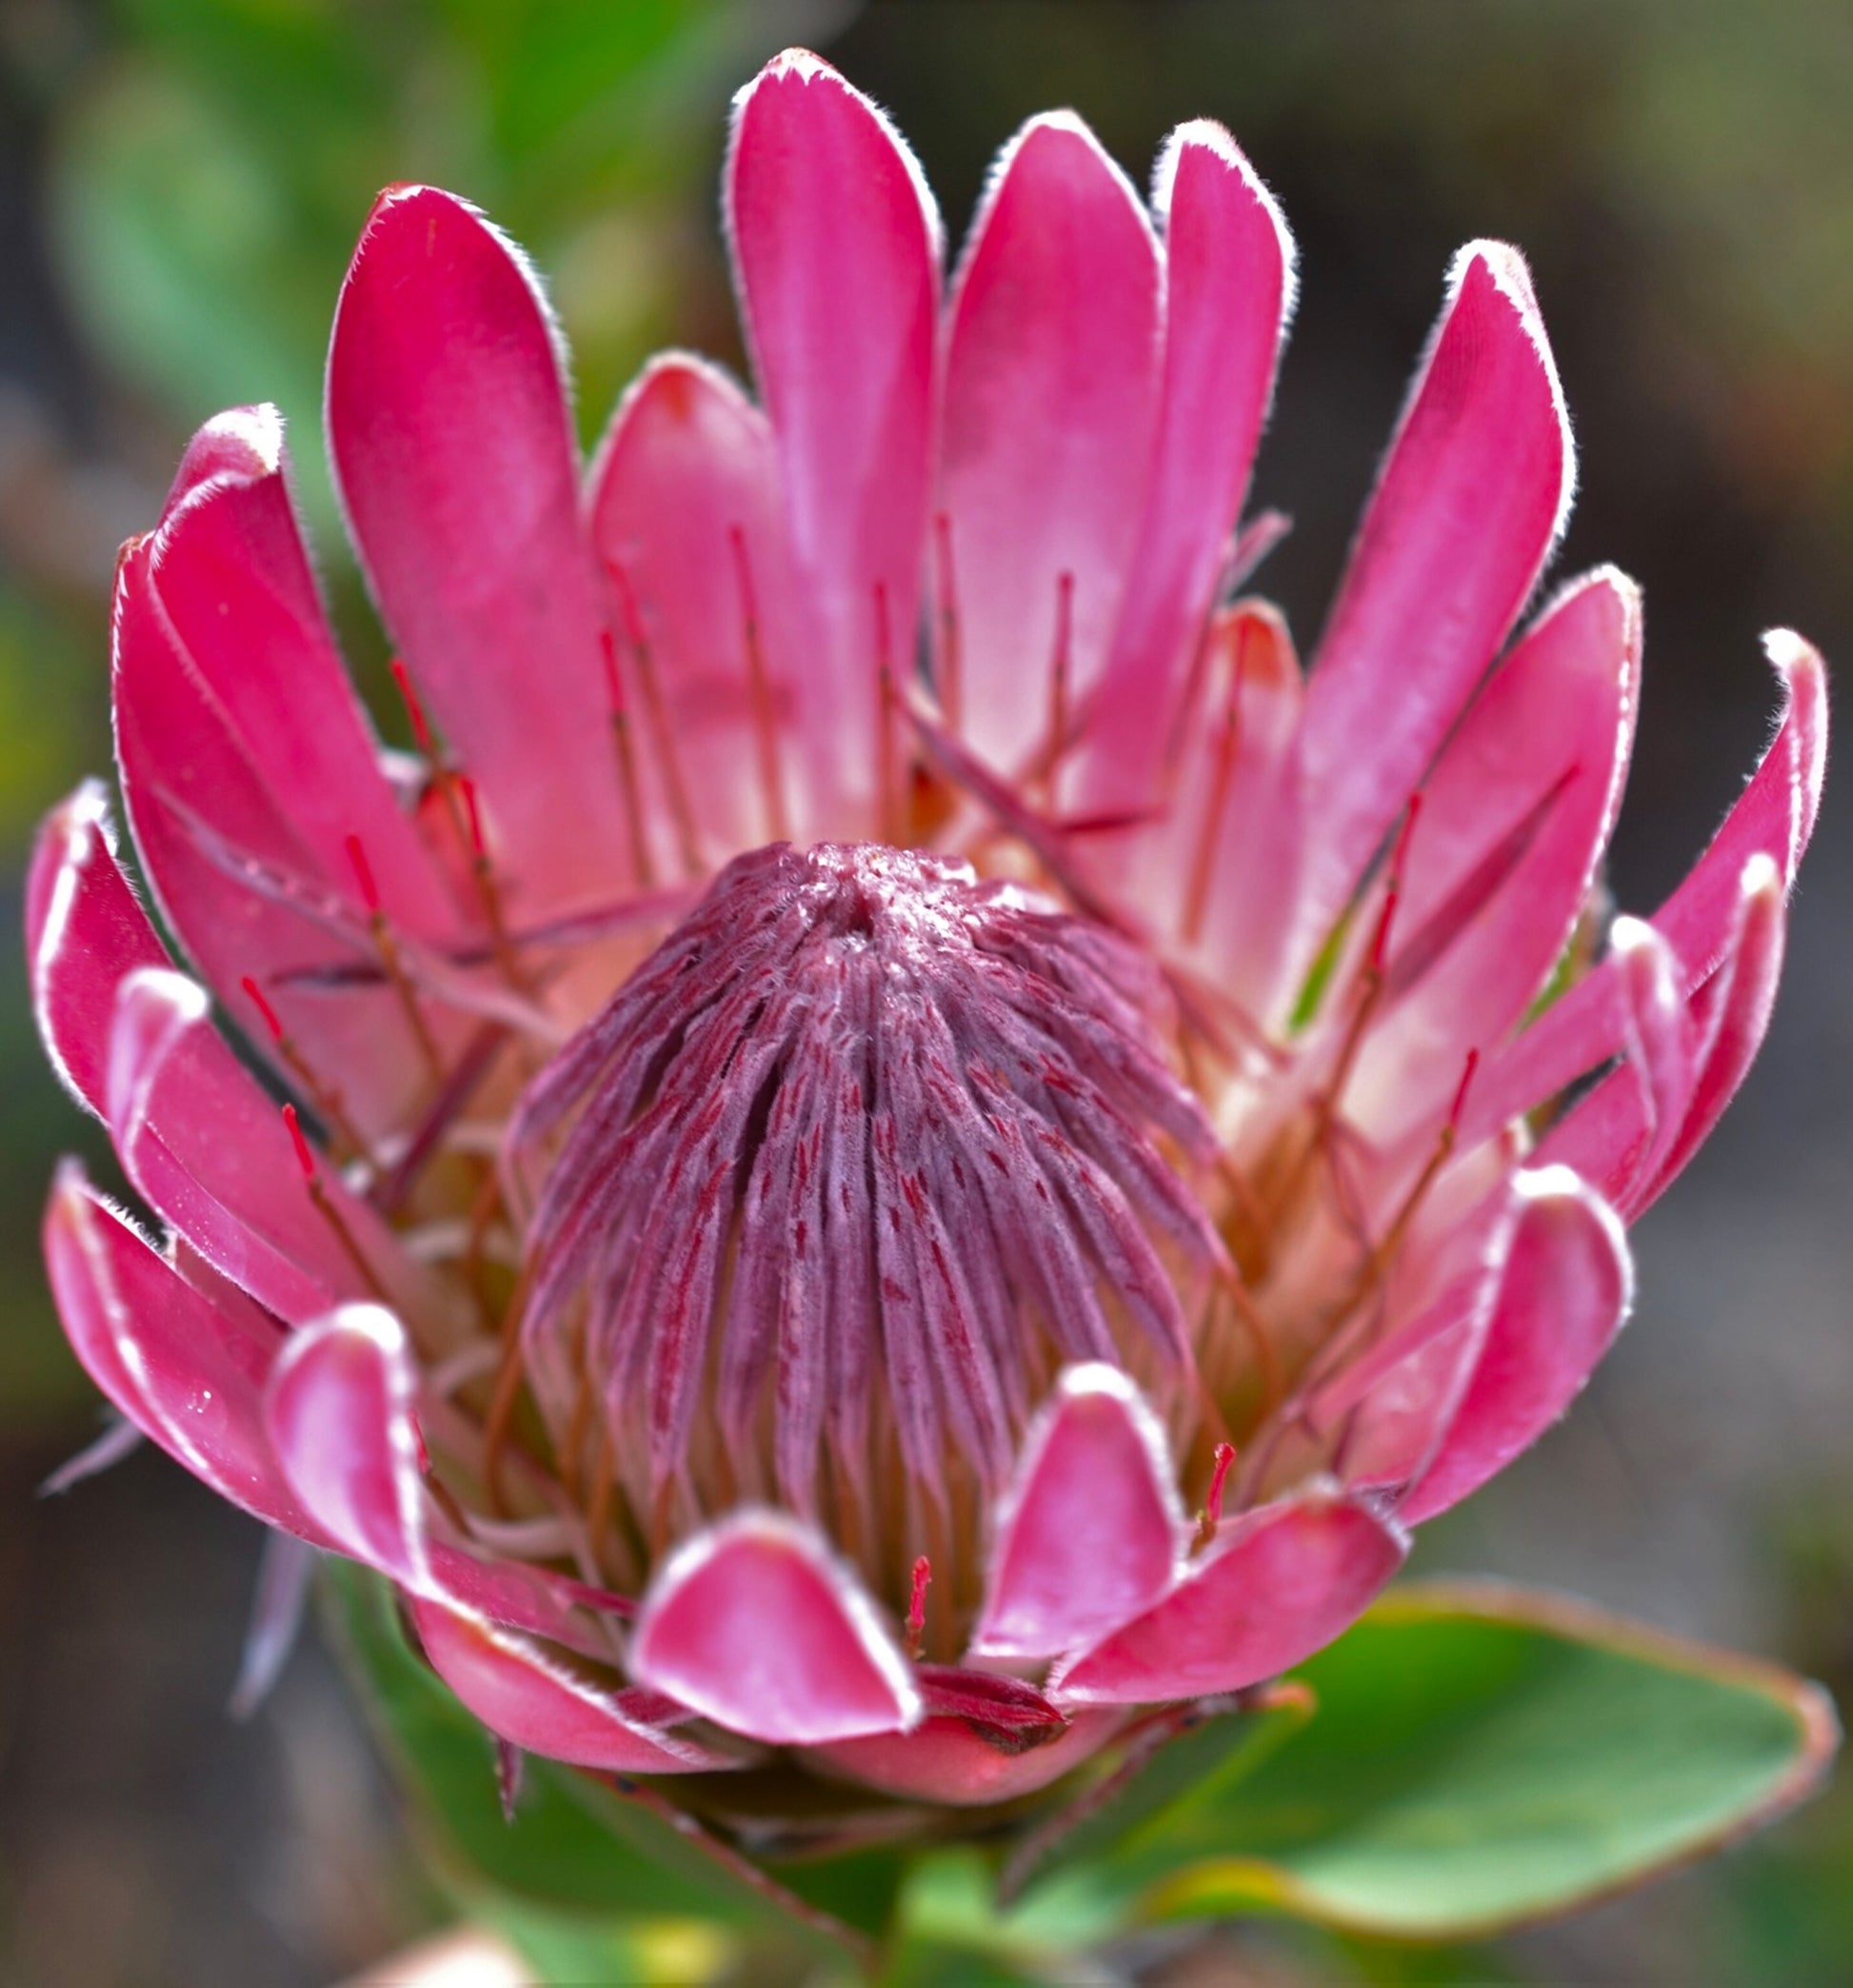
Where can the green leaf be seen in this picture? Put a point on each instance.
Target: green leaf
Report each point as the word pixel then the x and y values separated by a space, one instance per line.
pixel 185 254
pixel 575 1847
pixel 1193 1756
pixel 567 1952
pixel 951 1934
pixel 1483 1757
pixel 860 1887
pixel 210 175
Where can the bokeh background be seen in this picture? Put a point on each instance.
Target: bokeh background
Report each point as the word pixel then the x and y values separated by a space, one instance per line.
pixel 181 182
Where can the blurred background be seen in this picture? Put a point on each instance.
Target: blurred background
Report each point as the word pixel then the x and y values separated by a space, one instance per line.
pixel 181 182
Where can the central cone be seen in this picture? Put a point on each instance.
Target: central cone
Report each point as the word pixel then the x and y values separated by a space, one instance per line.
pixel 852 1165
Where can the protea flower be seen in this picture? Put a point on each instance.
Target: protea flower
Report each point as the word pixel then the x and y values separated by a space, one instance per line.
pixel 903 1144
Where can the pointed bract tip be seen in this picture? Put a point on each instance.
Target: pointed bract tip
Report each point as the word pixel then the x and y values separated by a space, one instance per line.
pixel 1212 136
pixel 801 67
pixel 1762 877
pixel 1069 123
pixel 1059 130
pixel 805 65
pixel 377 1324
pixel 66 844
pixel 1068 126
pixel 1802 728
pixel 239 446
pixel 1504 263
pixel 1510 275
pixel 157 988
pixel 398 192
pixel 1555 1182
pixel 1206 134
pixel 1534 1186
pixel 1630 934
pixel 1615 580
pixel 1607 578
pixel 258 427
pixel 796 65
pixel 68 1180
pixel 1098 1377
pixel 156 1008
pixel 86 807
pixel 1790 653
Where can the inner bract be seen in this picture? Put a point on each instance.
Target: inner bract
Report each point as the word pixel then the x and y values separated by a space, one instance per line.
pixel 846 1172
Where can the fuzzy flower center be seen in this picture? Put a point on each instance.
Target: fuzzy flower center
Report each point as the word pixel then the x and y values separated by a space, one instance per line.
pixel 854 1163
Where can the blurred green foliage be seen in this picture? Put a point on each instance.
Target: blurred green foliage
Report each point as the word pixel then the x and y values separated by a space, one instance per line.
pixel 214 171
pixel 44 712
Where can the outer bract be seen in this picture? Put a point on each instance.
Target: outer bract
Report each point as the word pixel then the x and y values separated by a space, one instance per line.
pixel 910 1144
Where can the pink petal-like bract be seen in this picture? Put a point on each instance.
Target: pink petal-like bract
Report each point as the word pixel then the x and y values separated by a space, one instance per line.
pixel 1092 1530
pixel 904 1142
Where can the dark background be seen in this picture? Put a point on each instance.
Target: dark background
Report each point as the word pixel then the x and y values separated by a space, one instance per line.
pixel 179 185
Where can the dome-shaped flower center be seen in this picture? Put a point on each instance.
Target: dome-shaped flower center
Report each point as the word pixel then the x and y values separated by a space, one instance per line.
pixel 851 1166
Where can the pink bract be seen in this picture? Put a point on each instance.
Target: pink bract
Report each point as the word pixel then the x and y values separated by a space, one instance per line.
pixel 911 1143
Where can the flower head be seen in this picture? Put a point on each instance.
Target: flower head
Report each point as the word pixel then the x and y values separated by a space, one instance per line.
pixel 903 1141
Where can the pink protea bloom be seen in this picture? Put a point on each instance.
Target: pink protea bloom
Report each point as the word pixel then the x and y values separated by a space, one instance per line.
pixel 920 1146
